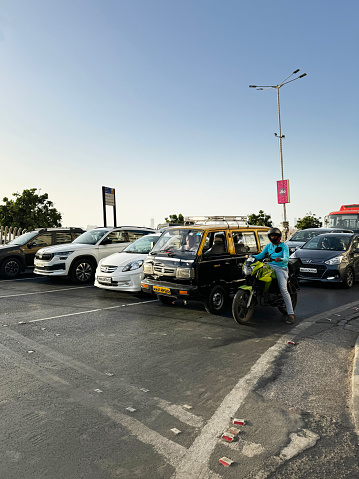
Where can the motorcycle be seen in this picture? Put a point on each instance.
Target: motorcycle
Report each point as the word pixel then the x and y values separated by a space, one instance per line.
pixel 261 288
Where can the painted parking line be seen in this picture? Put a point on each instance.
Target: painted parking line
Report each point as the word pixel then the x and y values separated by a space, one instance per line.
pixel 44 292
pixel 90 311
pixel 22 279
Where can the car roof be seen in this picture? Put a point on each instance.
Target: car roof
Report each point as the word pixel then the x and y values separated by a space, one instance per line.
pixel 60 228
pixel 338 234
pixel 119 228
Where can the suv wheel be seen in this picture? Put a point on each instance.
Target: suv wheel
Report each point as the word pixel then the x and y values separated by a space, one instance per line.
pixel 216 300
pixel 82 271
pixel 10 268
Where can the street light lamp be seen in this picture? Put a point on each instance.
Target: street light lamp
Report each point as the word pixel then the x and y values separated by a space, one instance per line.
pixel 280 136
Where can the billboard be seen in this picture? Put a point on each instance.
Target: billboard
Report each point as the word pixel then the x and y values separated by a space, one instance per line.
pixel 283 193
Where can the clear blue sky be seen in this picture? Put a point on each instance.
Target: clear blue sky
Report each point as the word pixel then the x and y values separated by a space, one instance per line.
pixel 151 97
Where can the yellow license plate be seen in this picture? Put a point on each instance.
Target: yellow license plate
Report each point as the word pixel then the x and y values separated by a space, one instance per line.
pixel 159 289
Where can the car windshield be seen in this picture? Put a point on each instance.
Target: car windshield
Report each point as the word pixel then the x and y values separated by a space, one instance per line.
pixel 90 237
pixel 328 242
pixel 182 241
pixel 142 245
pixel 305 235
pixel 23 239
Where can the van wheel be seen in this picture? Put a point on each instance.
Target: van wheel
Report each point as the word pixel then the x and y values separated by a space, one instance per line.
pixel 82 271
pixel 348 280
pixel 168 301
pixel 10 268
pixel 216 301
pixel 294 298
pixel 240 312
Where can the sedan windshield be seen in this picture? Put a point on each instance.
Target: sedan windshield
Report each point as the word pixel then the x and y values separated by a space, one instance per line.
pixel 305 235
pixel 328 242
pixel 90 237
pixel 142 245
pixel 23 239
pixel 179 241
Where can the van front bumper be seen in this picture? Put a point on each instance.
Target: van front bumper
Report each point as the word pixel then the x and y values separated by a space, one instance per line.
pixel 174 290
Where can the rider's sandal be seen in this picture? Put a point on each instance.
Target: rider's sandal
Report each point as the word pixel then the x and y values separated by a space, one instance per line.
pixel 290 319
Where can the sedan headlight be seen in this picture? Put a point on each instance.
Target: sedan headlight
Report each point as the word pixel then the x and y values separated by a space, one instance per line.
pixel 133 265
pixel 184 273
pixel 292 255
pixel 336 260
pixel 63 254
pixel 148 268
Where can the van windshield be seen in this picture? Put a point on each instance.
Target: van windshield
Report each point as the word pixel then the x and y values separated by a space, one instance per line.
pixel 180 241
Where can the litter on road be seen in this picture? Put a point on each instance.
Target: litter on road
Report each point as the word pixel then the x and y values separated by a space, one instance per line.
pixel 130 409
pixel 176 431
pixel 226 461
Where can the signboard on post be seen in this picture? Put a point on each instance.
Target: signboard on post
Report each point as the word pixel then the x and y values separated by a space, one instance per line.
pixel 283 193
pixel 108 199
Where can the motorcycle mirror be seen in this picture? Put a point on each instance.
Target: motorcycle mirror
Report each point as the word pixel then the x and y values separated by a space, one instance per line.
pixel 278 249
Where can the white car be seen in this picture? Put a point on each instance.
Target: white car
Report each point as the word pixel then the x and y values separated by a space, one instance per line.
pixel 124 271
pixel 79 259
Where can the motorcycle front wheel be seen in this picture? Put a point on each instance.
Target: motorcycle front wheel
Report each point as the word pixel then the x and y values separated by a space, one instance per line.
pixel 294 298
pixel 240 312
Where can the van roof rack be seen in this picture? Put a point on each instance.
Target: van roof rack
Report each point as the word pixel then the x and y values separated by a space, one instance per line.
pixel 205 220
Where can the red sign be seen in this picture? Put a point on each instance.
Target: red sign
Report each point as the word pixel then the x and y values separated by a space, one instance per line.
pixel 283 191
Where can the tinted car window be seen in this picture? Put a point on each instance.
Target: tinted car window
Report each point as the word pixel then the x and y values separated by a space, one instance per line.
pixel 305 235
pixel 263 238
pixel 44 239
pixel 62 237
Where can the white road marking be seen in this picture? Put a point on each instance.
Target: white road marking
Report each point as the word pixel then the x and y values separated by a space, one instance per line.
pixel 43 292
pixel 21 279
pixel 179 413
pixel 90 311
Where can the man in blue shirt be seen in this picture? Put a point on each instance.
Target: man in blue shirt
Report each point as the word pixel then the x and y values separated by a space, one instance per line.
pixel 280 266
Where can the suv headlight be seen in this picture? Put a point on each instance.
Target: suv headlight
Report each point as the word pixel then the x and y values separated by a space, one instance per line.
pixel 184 273
pixel 148 268
pixel 63 254
pixel 336 260
pixel 133 265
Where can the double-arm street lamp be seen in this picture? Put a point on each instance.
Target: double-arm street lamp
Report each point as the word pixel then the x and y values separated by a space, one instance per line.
pixel 280 136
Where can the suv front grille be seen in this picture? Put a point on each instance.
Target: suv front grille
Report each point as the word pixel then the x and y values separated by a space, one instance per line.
pixel 45 256
pixel 107 269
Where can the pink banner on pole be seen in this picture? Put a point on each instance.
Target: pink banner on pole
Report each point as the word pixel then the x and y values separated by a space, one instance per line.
pixel 283 191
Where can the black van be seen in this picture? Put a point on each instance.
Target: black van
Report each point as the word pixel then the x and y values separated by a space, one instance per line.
pixel 202 261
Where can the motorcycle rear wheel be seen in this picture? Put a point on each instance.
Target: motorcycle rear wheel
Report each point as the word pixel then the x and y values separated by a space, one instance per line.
pixel 240 312
pixel 294 298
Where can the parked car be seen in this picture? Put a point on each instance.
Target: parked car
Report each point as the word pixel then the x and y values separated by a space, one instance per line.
pixel 79 259
pixel 19 253
pixel 331 257
pixel 202 262
pixel 124 271
pixel 301 237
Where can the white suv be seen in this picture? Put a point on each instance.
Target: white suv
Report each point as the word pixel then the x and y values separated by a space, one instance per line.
pixel 79 259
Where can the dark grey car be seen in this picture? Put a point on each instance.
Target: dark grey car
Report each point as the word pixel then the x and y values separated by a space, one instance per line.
pixel 301 237
pixel 331 257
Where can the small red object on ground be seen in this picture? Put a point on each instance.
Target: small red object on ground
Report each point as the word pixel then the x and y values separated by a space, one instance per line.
pixel 226 461
pixel 240 422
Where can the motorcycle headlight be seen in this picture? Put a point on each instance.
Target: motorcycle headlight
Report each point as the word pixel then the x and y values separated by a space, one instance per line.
pixel 336 260
pixel 133 265
pixel 148 268
pixel 184 273
pixel 63 254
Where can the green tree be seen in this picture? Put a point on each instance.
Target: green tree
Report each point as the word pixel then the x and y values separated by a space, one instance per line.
pixel 261 219
pixel 29 211
pixel 175 219
pixel 308 221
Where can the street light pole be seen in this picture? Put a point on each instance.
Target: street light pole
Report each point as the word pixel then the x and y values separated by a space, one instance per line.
pixel 280 136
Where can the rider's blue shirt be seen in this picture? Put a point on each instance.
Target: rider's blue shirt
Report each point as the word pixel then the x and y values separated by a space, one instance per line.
pixel 270 249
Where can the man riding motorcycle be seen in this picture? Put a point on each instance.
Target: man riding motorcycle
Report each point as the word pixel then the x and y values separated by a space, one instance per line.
pixel 280 266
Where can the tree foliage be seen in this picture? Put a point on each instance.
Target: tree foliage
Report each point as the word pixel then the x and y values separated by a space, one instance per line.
pixel 29 211
pixel 308 221
pixel 175 219
pixel 261 219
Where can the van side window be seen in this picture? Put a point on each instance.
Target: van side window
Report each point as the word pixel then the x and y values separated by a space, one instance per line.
pixel 245 242
pixel 215 243
pixel 263 238
pixel 63 237
pixel 44 239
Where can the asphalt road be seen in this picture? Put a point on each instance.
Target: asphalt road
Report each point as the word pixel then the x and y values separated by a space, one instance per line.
pixel 74 359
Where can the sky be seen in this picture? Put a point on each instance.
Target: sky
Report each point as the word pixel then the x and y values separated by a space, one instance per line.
pixel 151 97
